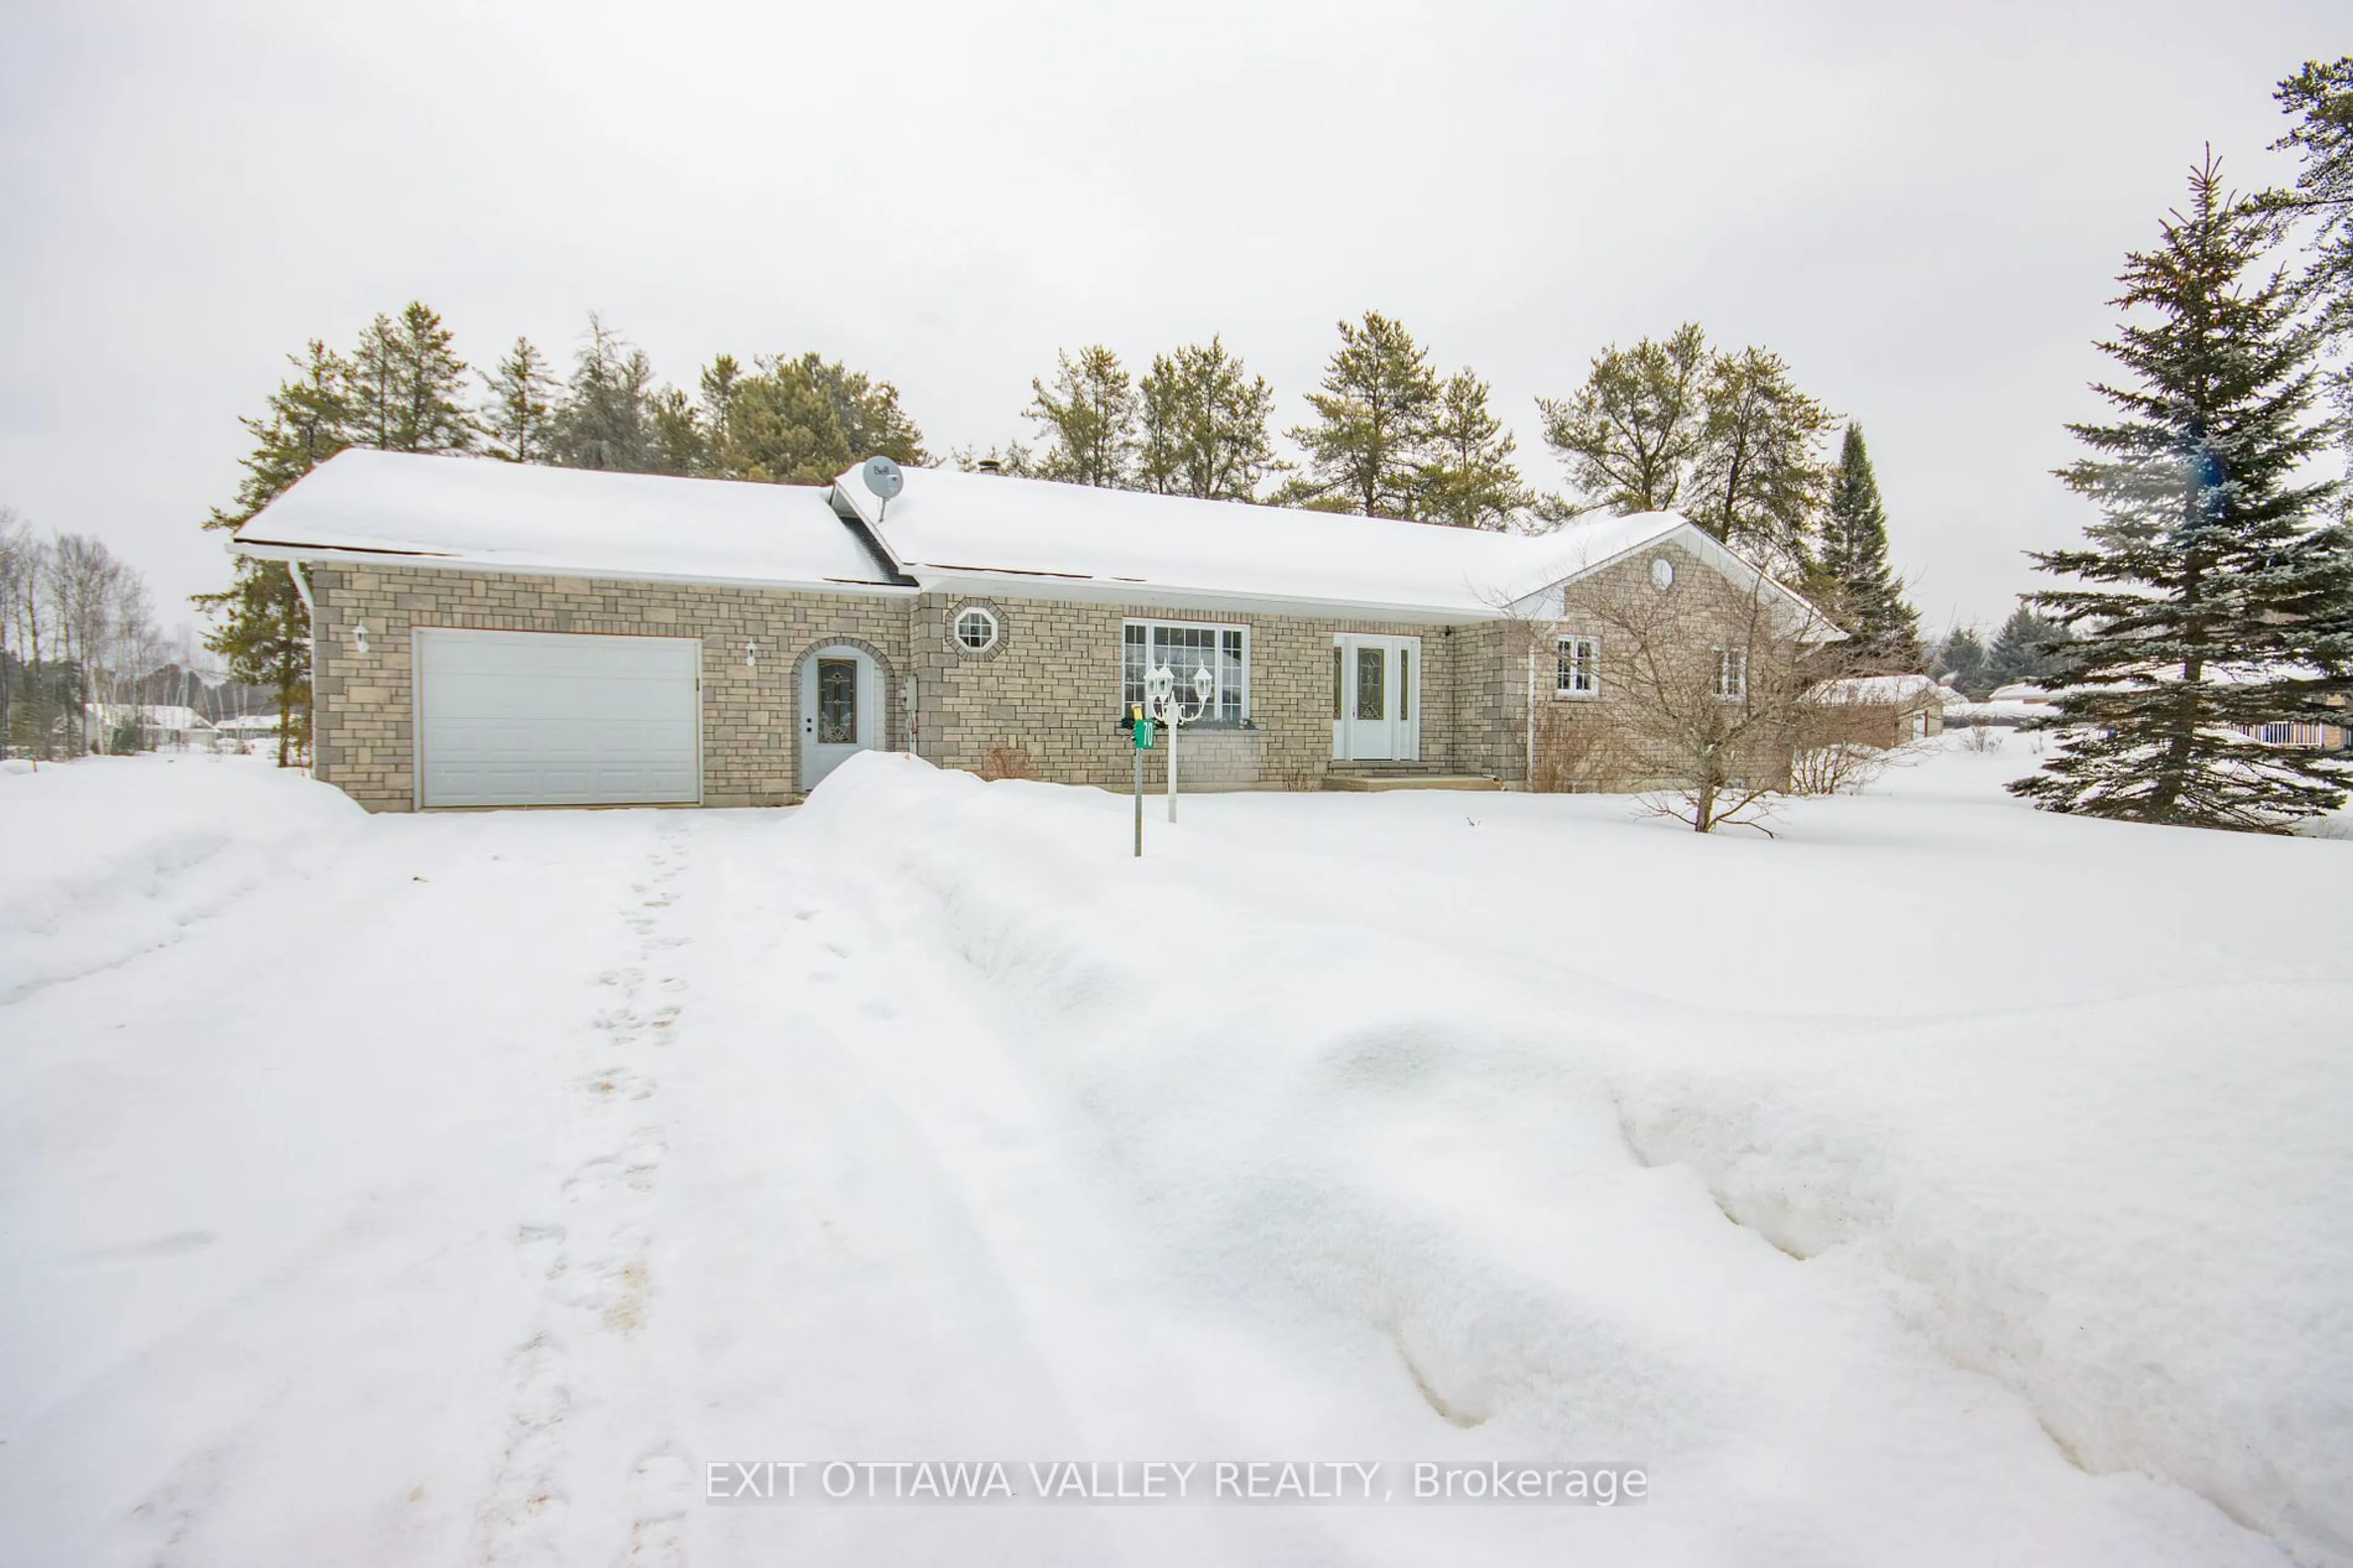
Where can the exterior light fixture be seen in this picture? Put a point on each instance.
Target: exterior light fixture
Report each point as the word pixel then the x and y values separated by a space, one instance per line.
pixel 359 638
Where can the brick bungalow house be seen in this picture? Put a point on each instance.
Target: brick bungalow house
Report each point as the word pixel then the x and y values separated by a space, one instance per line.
pixel 487 634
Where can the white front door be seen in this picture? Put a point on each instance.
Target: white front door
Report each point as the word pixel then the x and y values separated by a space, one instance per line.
pixel 841 709
pixel 1375 698
pixel 556 718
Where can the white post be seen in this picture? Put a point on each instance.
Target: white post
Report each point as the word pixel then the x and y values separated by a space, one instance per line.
pixel 1172 727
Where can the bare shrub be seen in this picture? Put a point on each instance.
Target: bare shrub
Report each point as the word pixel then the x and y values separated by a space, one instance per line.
pixel 1007 763
pixel 1712 690
pixel 1980 736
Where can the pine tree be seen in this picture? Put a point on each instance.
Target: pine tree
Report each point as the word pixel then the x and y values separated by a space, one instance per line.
pixel 1757 479
pixel 1203 420
pixel 679 444
pixel 722 379
pixel 2028 647
pixel 1088 420
pixel 2216 594
pixel 431 416
pixel 407 384
pixel 1726 438
pixel 1866 595
pixel 606 419
pixel 1470 479
pixel 261 627
pixel 1370 440
pixel 520 407
pixel 1631 433
pixel 1960 659
pixel 375 383
pixel 805 420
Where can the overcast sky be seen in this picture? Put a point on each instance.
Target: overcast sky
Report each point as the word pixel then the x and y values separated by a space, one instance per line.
pixel 1922 209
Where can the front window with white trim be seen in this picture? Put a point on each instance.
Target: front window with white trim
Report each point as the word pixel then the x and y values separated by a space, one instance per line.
pixel 1578 669
pixel 975 629
pixel 1184 647
pixel 1732 673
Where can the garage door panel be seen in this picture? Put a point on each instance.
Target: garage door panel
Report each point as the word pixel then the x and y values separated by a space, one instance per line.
pixel 556 718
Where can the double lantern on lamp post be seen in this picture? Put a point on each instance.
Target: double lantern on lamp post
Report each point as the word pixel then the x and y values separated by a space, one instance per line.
pixel 1160 692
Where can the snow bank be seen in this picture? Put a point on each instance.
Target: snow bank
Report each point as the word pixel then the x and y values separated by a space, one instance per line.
pixel 2116 1191
pixel 102 865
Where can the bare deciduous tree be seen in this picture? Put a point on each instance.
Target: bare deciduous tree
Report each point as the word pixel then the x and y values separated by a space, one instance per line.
pixel 1710 692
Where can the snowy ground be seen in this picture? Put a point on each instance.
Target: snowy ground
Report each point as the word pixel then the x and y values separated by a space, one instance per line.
pixel 1940 1182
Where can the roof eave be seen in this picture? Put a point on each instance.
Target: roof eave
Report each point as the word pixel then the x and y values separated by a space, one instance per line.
pixel 272 550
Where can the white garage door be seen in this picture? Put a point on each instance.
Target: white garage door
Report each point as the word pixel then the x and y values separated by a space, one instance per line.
pixel 550 719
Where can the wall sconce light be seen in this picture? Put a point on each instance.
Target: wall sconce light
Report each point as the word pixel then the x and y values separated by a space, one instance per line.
pixel 359 638
pixel 752 655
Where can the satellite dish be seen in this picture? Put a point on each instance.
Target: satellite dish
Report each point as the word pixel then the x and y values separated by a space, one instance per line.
pixel 883 478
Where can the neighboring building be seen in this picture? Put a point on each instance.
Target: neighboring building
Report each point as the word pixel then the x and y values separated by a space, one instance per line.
pixel 1882 712
pixel 488 633
pixel 157 724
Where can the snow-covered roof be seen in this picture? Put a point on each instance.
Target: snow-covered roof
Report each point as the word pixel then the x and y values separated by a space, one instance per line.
pixel 479 512
pixel 1902 691
pixel 947 529
pixel 153 715
pixel 950 526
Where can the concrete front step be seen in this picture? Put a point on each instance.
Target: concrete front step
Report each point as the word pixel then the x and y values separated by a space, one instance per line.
pixel 1376 781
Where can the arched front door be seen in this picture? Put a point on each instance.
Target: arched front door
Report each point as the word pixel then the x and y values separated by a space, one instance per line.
pixel 841 709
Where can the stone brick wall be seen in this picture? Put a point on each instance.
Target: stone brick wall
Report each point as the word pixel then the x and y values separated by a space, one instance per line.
pixel 1050 691
pixel 1587 743
pixel 1045 696
pixel 362 734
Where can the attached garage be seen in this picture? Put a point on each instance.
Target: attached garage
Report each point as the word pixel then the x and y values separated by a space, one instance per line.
pixel 556 719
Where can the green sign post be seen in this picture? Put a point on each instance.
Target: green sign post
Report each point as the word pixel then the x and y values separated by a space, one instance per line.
pixel 1143 744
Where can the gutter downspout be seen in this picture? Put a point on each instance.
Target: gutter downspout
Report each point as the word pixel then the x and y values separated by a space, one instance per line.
pixel 311 609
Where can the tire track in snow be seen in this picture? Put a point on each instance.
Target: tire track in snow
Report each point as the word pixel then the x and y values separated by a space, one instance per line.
pixel 582 1392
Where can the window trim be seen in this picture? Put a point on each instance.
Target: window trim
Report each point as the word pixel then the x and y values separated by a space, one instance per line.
pixel 1565 643
pixel 955 629
pixel 1730 690
pixel 1242 717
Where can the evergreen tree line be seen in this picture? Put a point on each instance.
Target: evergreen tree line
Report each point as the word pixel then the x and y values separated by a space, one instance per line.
pixel 2026 647
pixel 1723 435
pixel 2213 594
pixel 77 628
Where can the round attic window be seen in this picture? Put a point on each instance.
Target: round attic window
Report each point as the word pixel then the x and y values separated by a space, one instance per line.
pixel 1662 573
pixel 975 629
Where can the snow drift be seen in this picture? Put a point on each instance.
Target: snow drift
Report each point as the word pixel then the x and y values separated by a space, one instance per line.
pixel 2120 1203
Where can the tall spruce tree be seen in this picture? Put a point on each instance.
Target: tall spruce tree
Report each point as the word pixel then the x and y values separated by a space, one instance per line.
pixel 1960 658
pixel 1863 590
pixel 2215 588
pixel 519 406
pixel 1202 424
pixel 1369 442
pixel 1088 420
pixel 2320 98
pixel 260 625
pixel 1470 479
pixel 2027 648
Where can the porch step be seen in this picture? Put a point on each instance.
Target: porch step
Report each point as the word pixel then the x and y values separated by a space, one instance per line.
pixel 1376 780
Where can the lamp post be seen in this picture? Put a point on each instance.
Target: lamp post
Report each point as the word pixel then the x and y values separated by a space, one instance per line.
pixel 1160 689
